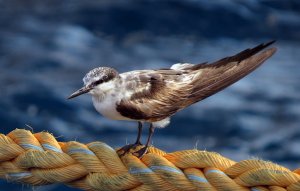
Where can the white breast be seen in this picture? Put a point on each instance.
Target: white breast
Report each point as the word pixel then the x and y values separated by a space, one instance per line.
pixel 107 107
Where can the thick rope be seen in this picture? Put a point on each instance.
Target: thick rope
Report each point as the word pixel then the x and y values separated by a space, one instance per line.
pixel 38 159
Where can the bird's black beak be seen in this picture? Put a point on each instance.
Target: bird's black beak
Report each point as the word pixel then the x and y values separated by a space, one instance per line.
pixel 79 92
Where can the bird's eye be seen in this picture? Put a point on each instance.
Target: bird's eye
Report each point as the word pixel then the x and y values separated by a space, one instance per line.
pixel 95 83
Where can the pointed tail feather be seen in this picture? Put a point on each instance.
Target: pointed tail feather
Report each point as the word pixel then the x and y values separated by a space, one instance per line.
pixel 221 74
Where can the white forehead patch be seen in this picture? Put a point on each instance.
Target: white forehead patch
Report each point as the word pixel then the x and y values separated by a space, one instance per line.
pixel 92 75
pixel 88 79
pixel 96 74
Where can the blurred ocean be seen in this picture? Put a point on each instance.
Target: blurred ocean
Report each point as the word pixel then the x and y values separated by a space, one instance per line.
pixel 46 47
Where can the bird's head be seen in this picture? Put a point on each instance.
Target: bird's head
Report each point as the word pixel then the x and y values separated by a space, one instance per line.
pixel 97 81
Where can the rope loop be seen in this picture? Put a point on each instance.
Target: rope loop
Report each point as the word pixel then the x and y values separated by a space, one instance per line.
pixel 39 159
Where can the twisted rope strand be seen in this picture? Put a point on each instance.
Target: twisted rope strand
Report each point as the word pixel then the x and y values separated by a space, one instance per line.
pixel 38 159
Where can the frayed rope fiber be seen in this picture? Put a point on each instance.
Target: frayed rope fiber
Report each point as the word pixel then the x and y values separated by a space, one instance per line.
pixel 39 159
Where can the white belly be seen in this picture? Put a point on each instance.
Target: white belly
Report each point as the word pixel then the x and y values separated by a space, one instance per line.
pixel 107 107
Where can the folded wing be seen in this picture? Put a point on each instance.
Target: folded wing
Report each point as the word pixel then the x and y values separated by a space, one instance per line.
pixel 161 93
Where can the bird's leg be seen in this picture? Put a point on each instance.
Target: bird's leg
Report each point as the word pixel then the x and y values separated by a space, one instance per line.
pixel 144 150
pixel 138 139
pixel 127 148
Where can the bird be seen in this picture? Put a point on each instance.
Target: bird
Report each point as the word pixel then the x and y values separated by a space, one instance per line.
pixel 153 96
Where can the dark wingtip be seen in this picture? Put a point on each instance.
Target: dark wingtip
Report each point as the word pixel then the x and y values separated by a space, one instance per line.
pixel 258 48
pixel 268 43
pixel 250 52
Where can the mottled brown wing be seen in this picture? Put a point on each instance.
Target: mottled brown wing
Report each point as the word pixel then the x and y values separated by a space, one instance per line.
pixel 157 95
pixel 169 90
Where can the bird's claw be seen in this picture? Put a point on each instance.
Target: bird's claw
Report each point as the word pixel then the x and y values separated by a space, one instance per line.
pixel 140 153
pixel 127 148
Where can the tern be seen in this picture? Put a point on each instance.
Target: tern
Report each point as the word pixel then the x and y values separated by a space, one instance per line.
pixel 153 96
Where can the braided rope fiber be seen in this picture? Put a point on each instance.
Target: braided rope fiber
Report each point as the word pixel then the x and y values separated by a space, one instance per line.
pixel 38 159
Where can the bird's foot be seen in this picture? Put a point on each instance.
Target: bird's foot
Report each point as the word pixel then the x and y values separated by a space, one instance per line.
pixel 140 153
pixel 127 148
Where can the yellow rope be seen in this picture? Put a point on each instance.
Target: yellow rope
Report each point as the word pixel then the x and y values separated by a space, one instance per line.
pixel 38 159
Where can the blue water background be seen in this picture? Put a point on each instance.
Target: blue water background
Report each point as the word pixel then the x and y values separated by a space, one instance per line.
pixel 46 47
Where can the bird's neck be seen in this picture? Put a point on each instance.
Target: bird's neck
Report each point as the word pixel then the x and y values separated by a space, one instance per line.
pixel 103 91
